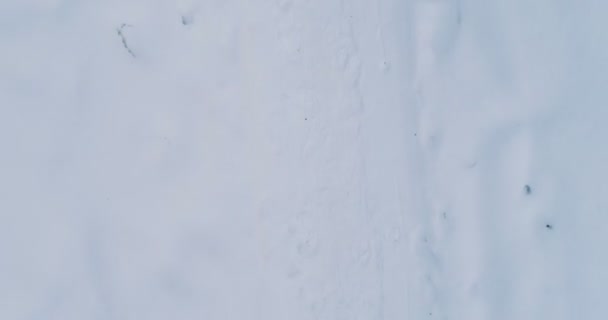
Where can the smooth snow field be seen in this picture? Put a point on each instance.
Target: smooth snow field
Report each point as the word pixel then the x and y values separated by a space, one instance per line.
pixel 303 159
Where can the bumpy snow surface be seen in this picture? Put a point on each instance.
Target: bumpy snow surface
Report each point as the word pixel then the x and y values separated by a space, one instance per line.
pixel 303 159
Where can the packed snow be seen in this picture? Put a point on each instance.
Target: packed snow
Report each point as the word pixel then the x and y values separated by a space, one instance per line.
pixel 303 159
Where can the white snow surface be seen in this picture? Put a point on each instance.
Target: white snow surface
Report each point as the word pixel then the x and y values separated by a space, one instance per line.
pixel 303 159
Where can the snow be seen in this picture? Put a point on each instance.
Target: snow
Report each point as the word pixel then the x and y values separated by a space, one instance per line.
pixel 290 159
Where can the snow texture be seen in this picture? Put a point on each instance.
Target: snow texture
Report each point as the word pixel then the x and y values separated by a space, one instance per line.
pixel 303 159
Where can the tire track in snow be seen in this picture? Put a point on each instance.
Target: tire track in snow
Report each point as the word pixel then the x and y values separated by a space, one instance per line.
pixel 392 162
pixel 339 279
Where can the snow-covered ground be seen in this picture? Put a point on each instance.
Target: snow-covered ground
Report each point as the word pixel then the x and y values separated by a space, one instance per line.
pixel 303 159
